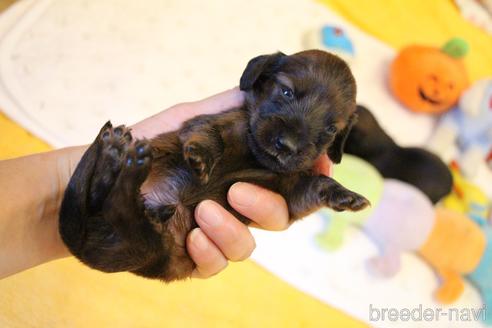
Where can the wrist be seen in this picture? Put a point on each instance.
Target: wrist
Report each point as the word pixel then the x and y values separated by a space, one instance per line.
pixel 31 192
pixel 59 165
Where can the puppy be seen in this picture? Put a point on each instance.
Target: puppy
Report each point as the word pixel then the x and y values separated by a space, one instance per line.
pixel 412 165
pixel 129 204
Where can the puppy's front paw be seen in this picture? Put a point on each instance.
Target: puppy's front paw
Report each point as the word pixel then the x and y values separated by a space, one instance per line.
pixel 200 160
pixel 340 199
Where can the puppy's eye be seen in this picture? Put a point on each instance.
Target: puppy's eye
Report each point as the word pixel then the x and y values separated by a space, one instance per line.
pixel 331 129
pixel 287 92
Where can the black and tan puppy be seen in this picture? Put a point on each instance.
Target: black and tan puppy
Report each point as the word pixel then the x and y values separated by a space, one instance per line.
pixel 297 107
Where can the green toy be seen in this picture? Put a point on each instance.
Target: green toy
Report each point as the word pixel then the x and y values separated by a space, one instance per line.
pixel 361 177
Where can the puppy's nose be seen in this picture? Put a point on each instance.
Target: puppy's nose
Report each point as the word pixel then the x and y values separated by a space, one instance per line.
pixel 286 144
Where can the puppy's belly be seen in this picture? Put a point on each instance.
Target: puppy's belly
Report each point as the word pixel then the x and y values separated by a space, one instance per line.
pixel 180 191
pixel 173 220
pixel 166 189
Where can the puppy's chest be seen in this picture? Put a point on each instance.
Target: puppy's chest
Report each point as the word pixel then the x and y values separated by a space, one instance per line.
pixel 235 142
pixel 176 180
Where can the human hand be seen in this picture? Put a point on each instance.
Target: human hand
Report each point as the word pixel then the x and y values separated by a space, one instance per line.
pixel 220 237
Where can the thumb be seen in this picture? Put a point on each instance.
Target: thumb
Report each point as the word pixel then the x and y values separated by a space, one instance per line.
pixel 323 165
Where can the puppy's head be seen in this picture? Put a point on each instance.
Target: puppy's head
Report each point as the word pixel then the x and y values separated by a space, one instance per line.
pixel 300 106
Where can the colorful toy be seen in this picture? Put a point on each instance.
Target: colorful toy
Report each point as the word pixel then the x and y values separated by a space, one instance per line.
pixel 401 222
pixel 454 248
pixel 332 39
pixel 415 166
pixel 467 198
pixel 481 277
pixel 478 12
pixel 428 79
pixel 469 126
pixel 362 178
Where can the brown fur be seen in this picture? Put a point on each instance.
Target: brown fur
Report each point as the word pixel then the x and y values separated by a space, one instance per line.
pixel 129 205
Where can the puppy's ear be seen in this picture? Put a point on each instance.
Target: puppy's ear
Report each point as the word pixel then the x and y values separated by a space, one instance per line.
pixel 335 151
pixel 256 67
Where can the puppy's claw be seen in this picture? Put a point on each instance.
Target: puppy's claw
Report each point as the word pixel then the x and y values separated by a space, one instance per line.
pixel 346 200
pixel 357 203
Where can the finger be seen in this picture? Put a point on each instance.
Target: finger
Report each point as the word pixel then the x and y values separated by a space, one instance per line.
pixel 323 165
pixel 208 258
pixel 232 237
pixel 171 119
pixel 266 208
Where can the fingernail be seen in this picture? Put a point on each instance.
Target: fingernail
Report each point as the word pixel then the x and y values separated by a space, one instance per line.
pixel 243 194
pixel 209 213
pixel 198 239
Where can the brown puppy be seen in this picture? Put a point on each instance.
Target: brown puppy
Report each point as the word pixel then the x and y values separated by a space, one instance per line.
pixel 129 205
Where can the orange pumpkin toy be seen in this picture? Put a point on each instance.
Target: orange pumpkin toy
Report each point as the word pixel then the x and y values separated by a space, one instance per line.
pixel 427 79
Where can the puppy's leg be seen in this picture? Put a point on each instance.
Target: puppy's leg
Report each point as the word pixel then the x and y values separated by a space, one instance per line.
pixel 90 184
pixel 124 207
pixel 312 192
pixel 202 147
pixel 114 143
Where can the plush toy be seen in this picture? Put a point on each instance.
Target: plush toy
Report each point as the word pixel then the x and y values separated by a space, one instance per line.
pixel 481 277
pixel 467 198
pixel 415 166
pixel 402 221
pixel 427 79
pixel 362 178
pixel 469 126
pixel 332 39
pixel 478 12
pixel 454 248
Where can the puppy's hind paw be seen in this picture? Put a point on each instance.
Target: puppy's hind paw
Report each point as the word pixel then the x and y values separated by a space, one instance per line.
pixel 114 142
pixel 138 160
pixel 110 145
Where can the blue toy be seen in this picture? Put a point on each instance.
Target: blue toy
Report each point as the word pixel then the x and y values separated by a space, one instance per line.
pixel 482 276
pixel 469 126
pixel 332 39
